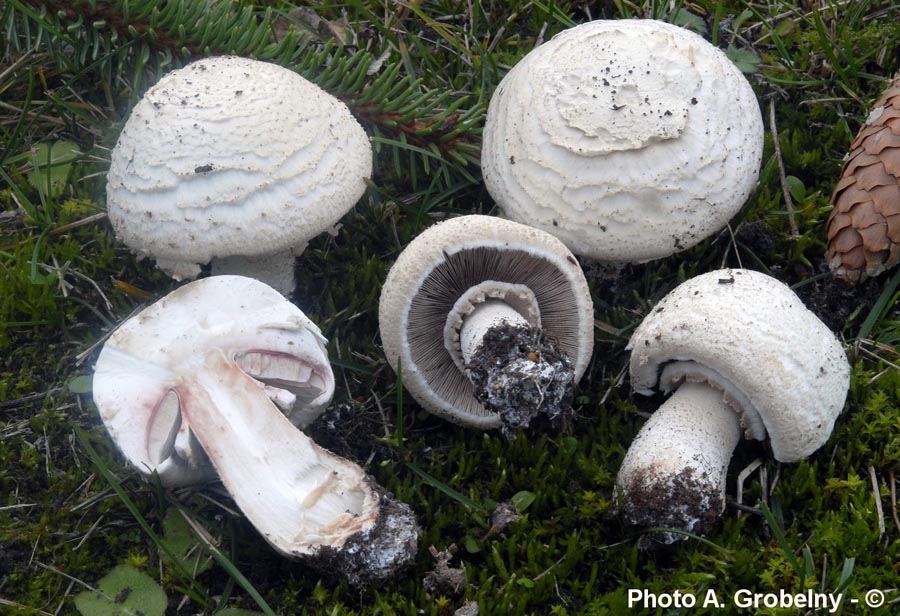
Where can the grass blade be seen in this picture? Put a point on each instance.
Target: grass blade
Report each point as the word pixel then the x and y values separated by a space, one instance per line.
pixel 782 541
pixel 196 592
pixel 226 563
pixel 459 497
pixel 884 303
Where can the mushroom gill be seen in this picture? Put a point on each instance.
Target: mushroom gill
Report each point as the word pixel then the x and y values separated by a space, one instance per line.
pixel 490 322
pixel 463 269
pixel 288 379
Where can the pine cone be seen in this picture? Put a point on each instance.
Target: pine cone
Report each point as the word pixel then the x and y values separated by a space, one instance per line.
pixel 864 226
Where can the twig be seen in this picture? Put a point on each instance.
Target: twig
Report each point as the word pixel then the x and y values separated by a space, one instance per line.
pixel 384 419
pixel 89 532
pixel 11 404
pixel 16 64
pixel 881 346
pixel 742 476
pixel 19 606
pixel 878 508
pixel 75 579
pixel 62 271
pixel 12 430
pixel 229 510
pixel 31 114
pixel 764 477
pixel 77 223
pixel 865 351
pixel 823 101
pixel 47 455
pixel 743 508
pixel 22 506
pixel 894 500
pixel 62 601
pixel 34 548
pixel 93 309
pixel 61 229
pixel 106 494
pixel 548 569
pixel 616 383
pixel 205 536
pixel 79 359
pixel 509 20
pixel 788 202
pixel 733 244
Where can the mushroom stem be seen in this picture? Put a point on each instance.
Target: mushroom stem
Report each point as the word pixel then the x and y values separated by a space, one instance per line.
pixel 303 499
pixel 673 475
pixel 486 315
pixel 516 371
pixel 276 270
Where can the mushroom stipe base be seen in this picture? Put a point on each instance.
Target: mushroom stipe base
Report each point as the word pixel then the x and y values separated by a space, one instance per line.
pixel 519 373
pixel 375 554
pixel 651 503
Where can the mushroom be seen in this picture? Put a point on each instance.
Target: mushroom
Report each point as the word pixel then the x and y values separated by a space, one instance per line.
pixel 190 388
pixel 742 354
pixel 627 139
pixel 234 158
pixel 489 321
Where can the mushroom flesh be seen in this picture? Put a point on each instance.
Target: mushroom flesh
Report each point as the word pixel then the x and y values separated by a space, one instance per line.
pixel 211 381
pixel 234 158
pixel 743 355
pixel 627 139
pixel 489 321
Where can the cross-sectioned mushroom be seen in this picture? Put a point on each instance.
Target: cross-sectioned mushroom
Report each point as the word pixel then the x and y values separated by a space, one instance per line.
pixel 489 321
pixel 211 380
pixel 743 355
pixel 627 139
pixel 237 161
pixel 864 226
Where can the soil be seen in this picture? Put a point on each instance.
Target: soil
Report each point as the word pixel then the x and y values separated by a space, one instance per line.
pixel 685 501
pixel 13 557
pixel 519 373
pixel 378 553
pixel 833 301
pixel 351 431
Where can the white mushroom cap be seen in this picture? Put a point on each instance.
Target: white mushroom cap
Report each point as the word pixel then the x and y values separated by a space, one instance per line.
pixel 188 389
pixel 451 268
pixel 750 336
pixel 627 139
pixel 231 156
pixel 269 339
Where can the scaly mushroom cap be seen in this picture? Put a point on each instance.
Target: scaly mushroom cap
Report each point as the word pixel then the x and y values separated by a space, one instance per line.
pixel 231 156
pixel 750 336
pixel 188 389
pixel 864 226
pixel 627 139
pixel 445 272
